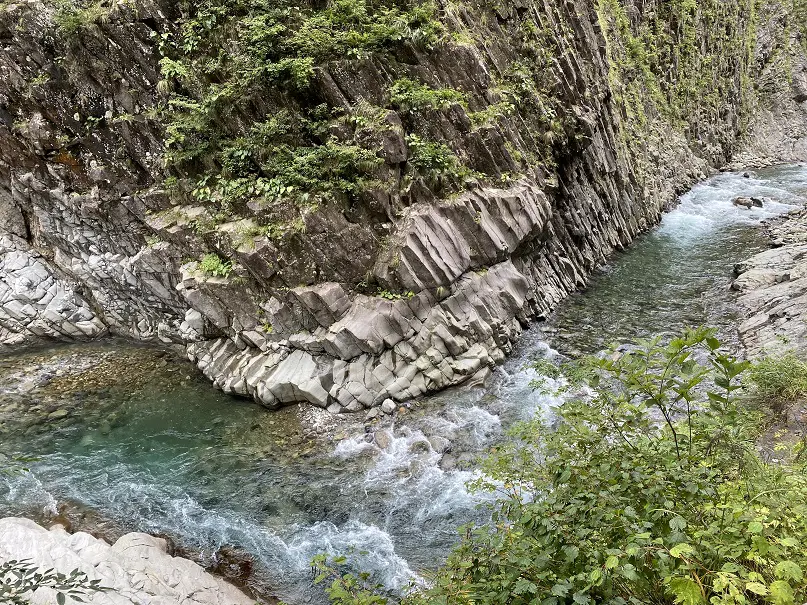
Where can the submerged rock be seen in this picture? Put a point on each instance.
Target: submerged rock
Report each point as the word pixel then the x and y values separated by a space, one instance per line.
pixel 750 202
pixel 383 438
pixel 136 569
pixel 233 564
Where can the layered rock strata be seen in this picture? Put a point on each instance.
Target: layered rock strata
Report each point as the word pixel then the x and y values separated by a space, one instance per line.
pixel 773 287
pixel 387 295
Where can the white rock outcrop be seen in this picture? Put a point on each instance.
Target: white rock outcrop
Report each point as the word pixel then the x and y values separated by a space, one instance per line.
pixel 34 302
pixel 137 569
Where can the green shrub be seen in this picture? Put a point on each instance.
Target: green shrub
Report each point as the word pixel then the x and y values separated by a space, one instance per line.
pixel 213 265
pixel 409 95
pixel 229 60
pixel 646 487
pixel 492 114
pixel 780 379
pixel 74 15
pixel 18 579
pixel 434 160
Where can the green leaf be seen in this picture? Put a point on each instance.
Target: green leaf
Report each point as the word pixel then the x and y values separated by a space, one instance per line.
pixel 60 599
pixel 686 592
pixel 629 571
pixel 581 598
pixel 756 588
pixel 788 570
pixel 679 550
pixel 523 586
pixel 755 527
pixel 611 562
pixel 560 590
pixel 781 593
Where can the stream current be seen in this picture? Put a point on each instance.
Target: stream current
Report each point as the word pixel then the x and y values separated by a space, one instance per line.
pixel 149 446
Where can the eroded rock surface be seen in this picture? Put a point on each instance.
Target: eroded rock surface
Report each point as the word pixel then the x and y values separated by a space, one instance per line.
pixel 773 286
pixel 385 295
pixel 36 303
pixel 136 569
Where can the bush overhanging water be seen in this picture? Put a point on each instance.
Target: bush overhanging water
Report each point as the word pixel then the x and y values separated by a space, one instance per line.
pixel 645 487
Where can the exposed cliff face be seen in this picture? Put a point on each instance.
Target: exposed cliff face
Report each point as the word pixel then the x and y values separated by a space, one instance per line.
pixel 75 182
pixel 778 126
pixel 371 227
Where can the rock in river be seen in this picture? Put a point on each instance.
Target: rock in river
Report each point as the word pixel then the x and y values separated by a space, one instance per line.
pixel 748 202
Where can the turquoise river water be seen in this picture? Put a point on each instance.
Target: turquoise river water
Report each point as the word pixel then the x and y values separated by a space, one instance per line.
pixel 145 444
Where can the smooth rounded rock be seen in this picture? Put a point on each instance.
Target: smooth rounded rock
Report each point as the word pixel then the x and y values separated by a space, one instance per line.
pixel 388 406
pixel 136 568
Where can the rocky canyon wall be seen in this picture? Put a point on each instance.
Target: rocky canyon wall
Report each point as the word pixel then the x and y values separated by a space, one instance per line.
pixel 350 202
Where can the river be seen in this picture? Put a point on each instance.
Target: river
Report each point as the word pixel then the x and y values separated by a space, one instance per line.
pixel 146 443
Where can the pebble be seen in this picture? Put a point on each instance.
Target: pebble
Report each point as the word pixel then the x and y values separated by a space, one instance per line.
pixel 372 414
pixel 58 414
pixel 388 406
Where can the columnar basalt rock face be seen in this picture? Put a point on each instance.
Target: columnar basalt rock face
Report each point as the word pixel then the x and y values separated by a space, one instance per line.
pixel 34 302
pixel 393 292
pixel 778 130
pixel 73 181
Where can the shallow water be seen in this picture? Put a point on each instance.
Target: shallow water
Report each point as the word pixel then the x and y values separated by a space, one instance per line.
pixel 680 273
pixel 150 446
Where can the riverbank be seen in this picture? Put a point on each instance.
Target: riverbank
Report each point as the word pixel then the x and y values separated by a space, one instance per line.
pixel 168 456
pixel 773 287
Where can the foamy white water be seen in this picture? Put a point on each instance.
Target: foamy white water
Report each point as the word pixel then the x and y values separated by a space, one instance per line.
pixel 708 206
pixel 392 501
